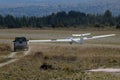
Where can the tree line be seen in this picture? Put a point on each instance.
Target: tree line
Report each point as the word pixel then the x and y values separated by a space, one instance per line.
pixel 61 19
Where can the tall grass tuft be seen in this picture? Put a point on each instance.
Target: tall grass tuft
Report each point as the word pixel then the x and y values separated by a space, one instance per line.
pixel 5 47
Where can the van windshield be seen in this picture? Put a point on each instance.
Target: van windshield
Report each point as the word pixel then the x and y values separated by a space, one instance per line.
pixel 20 39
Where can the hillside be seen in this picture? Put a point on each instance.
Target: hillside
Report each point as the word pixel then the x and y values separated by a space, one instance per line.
pixel 45 7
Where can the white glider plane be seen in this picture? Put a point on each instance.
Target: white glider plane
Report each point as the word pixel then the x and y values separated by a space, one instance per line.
pixel 71 40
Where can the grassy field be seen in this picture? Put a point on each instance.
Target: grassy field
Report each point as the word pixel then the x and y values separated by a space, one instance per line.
pixel 62 61
pixel 4 59
pixel 5 49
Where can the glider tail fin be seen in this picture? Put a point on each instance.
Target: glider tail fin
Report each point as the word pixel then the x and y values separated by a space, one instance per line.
pixel 78 35
pixel 81 37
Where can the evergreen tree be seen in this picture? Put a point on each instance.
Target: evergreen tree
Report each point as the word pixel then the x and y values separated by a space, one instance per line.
pixel 108 19
pixel 10 21
pixel 61 19
pixel 1 20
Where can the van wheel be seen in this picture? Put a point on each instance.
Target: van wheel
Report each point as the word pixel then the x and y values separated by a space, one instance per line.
pixel 14 49
pixel 27 48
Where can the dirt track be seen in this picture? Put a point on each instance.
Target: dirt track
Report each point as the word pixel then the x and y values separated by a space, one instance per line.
pixel 13 59
pixel 12 55
pixel 110 70
pixel 8 62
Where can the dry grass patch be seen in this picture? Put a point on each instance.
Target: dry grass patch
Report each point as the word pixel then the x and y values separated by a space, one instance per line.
pixel 63 62
pixel 75 50
pixel 5 49
pixel 95 56
pixel 2 60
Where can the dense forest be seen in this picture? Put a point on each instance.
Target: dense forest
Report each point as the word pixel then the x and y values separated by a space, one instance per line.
pixel 62 19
